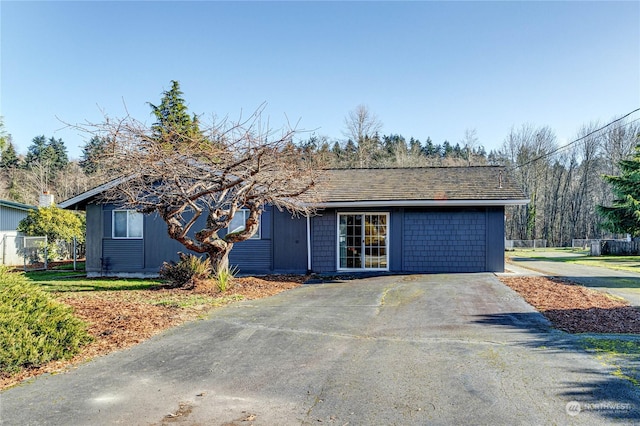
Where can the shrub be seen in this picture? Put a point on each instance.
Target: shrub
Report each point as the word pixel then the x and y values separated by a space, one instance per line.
pixel 57 224
pixel 186 271
pixel 224 277
pixel 34 328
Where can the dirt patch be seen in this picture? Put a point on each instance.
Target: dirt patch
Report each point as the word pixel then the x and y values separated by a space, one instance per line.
pixel 120 319
pixel 574 308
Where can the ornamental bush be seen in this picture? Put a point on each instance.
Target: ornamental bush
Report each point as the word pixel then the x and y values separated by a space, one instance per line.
pixel 186 271
pixel 57 224
pixel 34 327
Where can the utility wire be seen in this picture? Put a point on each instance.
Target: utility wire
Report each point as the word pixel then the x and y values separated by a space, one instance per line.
pixel 575 141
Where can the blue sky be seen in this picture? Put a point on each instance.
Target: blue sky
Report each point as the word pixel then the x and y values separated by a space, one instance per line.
pixel 424 68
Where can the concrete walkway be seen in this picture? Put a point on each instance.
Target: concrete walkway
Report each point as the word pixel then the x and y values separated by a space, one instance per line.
pixel 618 283
pixel 394 350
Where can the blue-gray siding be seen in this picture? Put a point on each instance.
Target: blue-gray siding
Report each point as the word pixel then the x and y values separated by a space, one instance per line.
pixel 10 218
pixel 425 240
pixel 495 239
pixel 126 255
pixel 93 240
pixel 420 240
pixel 108 255
pixel 447 241
pixel 289 243
pixel 251 256
pixel 324 241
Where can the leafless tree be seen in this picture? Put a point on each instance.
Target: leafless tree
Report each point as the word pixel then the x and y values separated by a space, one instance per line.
pixel 362 127
pixel 37 177
pixel 522 150
pixel 197 182
pixel 470 142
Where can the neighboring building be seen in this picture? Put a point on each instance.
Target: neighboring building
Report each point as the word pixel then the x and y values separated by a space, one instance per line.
pixel 414 220
pixel 11 213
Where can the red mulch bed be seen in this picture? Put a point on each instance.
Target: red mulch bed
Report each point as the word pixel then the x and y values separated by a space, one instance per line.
pixel 574 308
pixel 120 319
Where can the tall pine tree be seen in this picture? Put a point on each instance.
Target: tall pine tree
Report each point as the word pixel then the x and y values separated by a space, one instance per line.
pixel 92 153
pixel 624 216
pixel 173 122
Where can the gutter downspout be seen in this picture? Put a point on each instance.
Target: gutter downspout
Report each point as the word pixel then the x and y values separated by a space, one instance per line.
pixel 308 245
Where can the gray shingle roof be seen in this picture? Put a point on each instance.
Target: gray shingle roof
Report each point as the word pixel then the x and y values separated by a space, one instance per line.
pixel 396 186
pixel 482 183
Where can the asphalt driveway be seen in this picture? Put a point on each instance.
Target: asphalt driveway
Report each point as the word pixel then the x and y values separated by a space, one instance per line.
pixel 427 349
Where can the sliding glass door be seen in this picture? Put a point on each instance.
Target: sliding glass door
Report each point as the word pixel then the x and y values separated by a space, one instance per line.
pixel 362 241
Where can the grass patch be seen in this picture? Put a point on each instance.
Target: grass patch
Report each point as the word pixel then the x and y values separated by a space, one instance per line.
pixel 540 252
pixel 70 285
pixel 581 257
pixel 619 353
pixel 64 281
pixel 34 328
pixel 196 300
pixel 613 347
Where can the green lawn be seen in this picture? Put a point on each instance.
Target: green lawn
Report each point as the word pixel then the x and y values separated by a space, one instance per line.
pixel 66 282
pixel 621 352
pixel 581 257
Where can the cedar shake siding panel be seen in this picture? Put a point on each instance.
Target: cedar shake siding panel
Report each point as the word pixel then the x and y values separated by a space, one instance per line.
pixel 445 241
pixel 324 240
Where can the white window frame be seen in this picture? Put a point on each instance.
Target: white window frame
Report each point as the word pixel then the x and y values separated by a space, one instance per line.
pixel 245 212
pixel 113 225
pixel 387 239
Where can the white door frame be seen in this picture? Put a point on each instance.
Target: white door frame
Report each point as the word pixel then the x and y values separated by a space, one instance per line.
pixel 338 235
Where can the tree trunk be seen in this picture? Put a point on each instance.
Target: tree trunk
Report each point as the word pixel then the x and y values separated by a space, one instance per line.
pixel 220 258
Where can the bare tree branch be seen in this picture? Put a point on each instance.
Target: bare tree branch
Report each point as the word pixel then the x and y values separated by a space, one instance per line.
pixel 198 184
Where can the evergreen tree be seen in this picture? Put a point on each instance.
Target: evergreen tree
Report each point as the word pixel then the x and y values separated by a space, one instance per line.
pixel 429 150
pixel 36 151
pixel 4 137
pixel 91 153
pixel 447 149
pixel 350 154
pixel 52 153
pixel 457 151
pixel 9 157
pixel 415 147
pixel 173 121
pixel 624 216
pixel 338 154
pixel 60 156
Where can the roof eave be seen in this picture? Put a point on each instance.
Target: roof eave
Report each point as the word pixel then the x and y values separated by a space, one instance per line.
pixel 85 196
pixel 422 203
pixel 17 206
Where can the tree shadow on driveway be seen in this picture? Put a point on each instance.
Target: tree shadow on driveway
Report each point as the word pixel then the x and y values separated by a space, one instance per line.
pixel 612 391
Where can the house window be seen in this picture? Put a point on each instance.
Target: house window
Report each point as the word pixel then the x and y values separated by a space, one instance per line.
pixel 127 224
pixel 239 220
